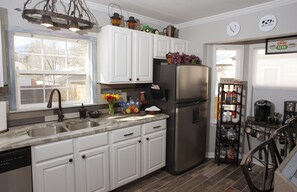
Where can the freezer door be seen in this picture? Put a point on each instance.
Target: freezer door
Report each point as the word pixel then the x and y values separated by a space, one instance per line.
pixel 190 136
pixel 191 83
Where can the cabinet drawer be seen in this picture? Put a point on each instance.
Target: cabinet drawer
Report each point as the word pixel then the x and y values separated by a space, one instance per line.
pixel 92 141
pixel 154 126
pixel 126 133
pixel 52 150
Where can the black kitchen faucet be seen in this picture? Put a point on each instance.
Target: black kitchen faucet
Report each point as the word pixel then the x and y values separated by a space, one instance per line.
pixel 49 104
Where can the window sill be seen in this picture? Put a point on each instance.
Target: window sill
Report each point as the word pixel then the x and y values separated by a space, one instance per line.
pixel 275 88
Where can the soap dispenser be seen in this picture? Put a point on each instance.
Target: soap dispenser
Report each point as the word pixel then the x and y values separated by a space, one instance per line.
pixel 82 112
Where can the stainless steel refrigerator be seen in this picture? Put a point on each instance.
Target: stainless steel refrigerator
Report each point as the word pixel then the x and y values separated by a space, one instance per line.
pixel 183 96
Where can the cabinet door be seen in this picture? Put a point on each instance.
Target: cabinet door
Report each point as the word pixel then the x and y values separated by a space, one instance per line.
pixel 142 57
pixel 1 59
pixel 162 45
pixel 54 175
pixel 154 151
pixel 120 55
pixel 93 170
pixel 125 162
pixel 179 45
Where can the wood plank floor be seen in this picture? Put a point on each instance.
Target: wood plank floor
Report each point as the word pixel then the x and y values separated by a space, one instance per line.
pixel 206 177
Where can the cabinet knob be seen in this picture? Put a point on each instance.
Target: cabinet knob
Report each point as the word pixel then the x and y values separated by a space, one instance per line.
pixel 130 79
pixel 137 79
pixel 83 156
pixel 139 141
pixel 147 138
pixel 70 160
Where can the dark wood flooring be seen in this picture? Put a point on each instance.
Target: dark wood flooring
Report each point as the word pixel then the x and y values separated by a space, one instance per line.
pixel 206 177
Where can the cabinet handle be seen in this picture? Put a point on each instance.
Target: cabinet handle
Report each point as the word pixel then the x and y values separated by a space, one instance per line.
pixel 83 156
pixel 128 134
pixel 130 79
pixel 137 79
pixel 147 139
pixel 70 160
pixel 139 141
pixel 157 127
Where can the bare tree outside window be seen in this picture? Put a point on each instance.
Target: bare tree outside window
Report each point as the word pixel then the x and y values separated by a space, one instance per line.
pixel 43 63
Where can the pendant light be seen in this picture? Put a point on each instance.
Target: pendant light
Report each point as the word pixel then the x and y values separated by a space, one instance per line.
pixel 67 14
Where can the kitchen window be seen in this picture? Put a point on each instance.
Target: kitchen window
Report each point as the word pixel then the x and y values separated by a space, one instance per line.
pixel 271 77
pixel 277 71
pixel 228 63
pixel 42 63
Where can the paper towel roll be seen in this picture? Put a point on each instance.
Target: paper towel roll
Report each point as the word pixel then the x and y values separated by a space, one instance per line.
pixel 3 118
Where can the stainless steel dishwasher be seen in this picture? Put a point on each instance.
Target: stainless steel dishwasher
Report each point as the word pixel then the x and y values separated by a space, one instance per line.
pixel 15 170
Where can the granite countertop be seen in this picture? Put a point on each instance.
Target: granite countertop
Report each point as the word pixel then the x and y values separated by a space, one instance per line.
pixel 17 137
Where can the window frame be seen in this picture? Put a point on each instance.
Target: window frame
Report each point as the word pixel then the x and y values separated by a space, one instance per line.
pixel 91 78
pixel 238 71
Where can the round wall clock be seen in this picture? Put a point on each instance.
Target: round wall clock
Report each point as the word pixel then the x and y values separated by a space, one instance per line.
pixel 267 23
pixel 233 29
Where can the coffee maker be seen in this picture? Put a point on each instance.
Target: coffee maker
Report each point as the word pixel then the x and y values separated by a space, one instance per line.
pixel 262 109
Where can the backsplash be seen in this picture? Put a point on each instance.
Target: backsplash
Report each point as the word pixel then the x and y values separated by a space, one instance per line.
pixel 127 90
pixel 31 117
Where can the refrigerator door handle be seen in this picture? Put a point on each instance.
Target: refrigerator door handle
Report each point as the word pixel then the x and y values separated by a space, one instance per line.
pixel 195 115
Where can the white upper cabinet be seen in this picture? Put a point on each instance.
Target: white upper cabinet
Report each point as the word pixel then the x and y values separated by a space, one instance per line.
pixel 125 56
pixel 114 56
pixel 142 57
pixel 179 45
pixel 163 45
pixel 1 59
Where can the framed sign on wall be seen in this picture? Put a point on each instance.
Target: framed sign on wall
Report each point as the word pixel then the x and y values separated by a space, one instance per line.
pixel 281 45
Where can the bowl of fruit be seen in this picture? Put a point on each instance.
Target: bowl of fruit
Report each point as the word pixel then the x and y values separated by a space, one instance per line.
pixel 129 107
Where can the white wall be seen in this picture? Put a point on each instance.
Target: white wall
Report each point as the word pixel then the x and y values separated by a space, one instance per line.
pixel 15 19
pixel 202 36
pixel 215 32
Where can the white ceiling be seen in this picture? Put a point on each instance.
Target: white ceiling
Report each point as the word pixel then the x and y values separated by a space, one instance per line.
pixel 180 11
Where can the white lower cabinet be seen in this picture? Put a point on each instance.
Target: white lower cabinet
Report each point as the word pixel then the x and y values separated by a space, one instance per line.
pixel 72 165
pixel 124 155
pixel 55 175
pixel 99 162
pixel 93 163
pixel 53 167
pixel 154 147
pixel 136 151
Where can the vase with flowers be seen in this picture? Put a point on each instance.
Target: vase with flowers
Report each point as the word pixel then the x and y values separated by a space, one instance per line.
pixel 111 98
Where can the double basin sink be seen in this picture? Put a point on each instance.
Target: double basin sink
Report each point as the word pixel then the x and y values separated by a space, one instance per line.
pixel 56 129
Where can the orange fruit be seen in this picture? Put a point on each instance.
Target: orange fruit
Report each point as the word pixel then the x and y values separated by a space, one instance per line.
pixel 136 110
pixel 132 107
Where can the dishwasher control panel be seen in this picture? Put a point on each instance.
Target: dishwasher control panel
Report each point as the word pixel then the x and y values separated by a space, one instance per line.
pixel 14 159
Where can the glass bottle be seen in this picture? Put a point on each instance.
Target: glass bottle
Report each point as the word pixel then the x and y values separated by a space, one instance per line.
pixel 142 101
pixel 233 96
pixel 228 95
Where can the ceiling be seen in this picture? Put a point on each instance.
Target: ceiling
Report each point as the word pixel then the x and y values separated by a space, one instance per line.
pixel 181 11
